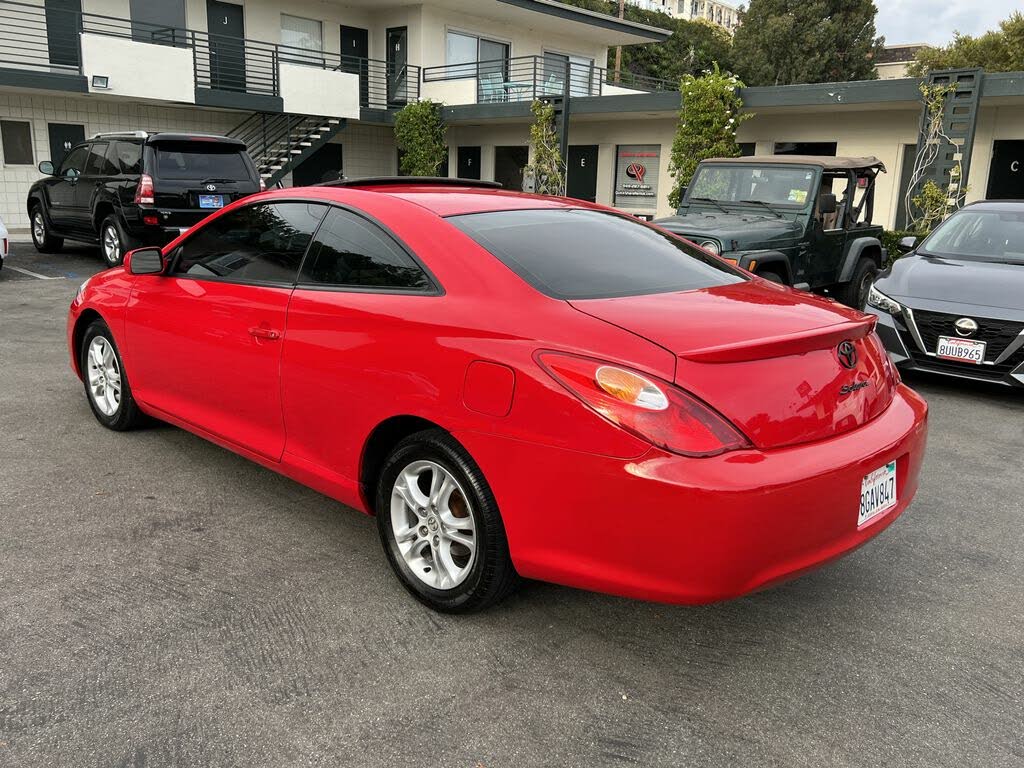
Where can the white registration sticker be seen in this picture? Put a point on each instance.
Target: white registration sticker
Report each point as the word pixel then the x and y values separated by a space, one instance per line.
pixel 877 492
pixel 962 350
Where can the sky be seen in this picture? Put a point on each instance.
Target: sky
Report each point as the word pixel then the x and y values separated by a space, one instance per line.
pixel 934 21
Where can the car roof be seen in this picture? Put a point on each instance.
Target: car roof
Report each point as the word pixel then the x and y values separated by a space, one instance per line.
pixel 828 163
pixel 1014 206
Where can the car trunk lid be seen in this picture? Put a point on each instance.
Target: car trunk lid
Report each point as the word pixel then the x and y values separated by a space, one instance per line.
pixel 766 358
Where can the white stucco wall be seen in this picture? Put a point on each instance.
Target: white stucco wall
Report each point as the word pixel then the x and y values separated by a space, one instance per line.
pixel 168 73
pixel 313 91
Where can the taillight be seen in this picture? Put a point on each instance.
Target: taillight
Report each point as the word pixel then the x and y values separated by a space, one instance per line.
pixel 263 185
pixel 144 192
pixel 4 249
pixel 654 410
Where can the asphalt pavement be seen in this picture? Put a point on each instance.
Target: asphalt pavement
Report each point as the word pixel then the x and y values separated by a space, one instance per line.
pixel 164 602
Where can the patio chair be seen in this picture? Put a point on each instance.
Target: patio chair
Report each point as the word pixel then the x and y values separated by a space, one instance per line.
pixel 491 87
pixel 553 86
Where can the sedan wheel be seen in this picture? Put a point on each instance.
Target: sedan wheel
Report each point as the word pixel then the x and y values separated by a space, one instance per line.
pixel 104 373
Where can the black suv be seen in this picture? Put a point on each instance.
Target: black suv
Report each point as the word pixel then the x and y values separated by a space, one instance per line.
pixel 125 190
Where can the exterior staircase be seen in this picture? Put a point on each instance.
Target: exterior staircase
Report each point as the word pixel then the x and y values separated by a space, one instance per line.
pixel 277 143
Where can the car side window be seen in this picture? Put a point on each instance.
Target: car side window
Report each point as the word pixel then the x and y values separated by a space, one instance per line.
pixel 97 164
pixel 351 251
pixel 258 243
pixel 74 162
pixel 126 156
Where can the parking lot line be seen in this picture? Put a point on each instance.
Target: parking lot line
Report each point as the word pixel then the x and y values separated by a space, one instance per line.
pixel 30 273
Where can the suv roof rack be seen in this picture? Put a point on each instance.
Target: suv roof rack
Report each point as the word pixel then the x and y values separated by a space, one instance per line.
pixel 392 181
pixel 133 134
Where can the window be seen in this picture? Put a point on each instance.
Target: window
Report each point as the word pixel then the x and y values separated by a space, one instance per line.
pixel 582 254
pixel 258 243
pixel 351 251
pixel 582 75
pixel 302 35
pixel 127 156
pixel 74 162
pixel 982 235
pixel 96 164
pixel 774 185
pixel 17 142
pixel 464 52
pixel 200 160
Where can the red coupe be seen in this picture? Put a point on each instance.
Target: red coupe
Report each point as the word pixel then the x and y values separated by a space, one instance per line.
pixel 517 386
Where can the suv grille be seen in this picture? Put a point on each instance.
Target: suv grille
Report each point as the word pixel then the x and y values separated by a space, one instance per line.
pixel 997 333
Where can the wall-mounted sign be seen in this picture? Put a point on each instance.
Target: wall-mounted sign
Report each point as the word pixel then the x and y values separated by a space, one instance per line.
pixel 636 176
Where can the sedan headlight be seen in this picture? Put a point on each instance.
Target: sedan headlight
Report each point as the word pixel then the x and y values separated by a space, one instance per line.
pixel 711 245
pixel 879 300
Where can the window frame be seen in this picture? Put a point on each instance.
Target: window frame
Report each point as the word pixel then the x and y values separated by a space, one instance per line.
pixel 31 145
pixel 87 171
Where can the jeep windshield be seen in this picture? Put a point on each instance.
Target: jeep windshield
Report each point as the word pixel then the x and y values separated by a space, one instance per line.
pixel 975 235
pixel 775 186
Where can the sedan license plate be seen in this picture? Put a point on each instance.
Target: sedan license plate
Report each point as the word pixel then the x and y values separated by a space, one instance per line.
pixel 961 350
pixel 211 201
pixel 877 493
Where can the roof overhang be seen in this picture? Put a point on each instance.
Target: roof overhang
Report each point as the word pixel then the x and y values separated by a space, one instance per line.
pixel 605 29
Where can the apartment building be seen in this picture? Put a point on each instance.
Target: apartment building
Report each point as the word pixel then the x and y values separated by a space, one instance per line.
pixel 712 11
pixel 313 87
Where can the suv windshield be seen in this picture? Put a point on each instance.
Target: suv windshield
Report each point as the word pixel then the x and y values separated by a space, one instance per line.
pixel 200 160
pixel 584 254
pixel 980 235
pixel 774 185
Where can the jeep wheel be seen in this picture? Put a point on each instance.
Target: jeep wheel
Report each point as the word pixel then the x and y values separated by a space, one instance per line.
pixel 855 293
pixel 771 277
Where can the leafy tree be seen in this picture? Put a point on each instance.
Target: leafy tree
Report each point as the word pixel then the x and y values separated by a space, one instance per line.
pixel 420 135
pixel 693 47
pixel 548 168
pixel 781 42
pixel 999 50
pixel 707 126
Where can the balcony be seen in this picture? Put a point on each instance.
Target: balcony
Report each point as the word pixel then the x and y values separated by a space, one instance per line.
pixel 526 78
pixel 67 50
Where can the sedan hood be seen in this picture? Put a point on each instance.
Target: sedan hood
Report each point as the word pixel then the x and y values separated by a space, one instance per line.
pixel 980 283
pixel 766 357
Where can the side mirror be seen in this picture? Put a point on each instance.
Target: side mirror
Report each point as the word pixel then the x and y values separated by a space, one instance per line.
pixel 47 167
pixel 71 174
pixel 906 244
pixel 145 261
pixel 827 203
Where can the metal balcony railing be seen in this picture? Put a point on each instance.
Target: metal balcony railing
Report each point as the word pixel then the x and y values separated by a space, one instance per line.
pixel 525 78
pixel 38 39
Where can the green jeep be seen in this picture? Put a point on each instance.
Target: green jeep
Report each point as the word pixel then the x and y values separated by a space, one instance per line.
pixel 800 220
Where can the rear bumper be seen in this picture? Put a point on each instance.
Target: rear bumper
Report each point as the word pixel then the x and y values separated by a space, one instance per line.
pixel 171 223
pixel 684 530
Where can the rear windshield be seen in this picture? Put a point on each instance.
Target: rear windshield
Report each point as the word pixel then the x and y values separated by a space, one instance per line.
pixel 199 160
pixel 585 254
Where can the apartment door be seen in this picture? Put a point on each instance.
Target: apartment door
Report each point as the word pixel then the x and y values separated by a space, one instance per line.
pixel 397 66
pixel 1006 174
pixel 468 163
pixel 582 173
pixel 63 136
pixel 355 50
pixel 226 25
pixel 508 166
pixel 63 19
pixel 158 21
pixel 906 172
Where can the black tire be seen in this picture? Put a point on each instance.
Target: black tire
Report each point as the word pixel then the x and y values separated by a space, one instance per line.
pixel 41 237
pixel 115 241
pixel 491 575
pixel 855 293
pixel 771 277
pixel 127 415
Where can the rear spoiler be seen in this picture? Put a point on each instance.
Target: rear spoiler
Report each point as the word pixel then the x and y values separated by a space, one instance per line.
pixel 781 346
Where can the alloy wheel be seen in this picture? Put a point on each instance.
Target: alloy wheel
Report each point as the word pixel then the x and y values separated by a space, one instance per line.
pixel 38 228
pixel 104 376
pixel 433 525
pixel 111 244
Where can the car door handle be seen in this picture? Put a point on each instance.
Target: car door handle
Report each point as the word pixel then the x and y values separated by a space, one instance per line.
pixel 260 332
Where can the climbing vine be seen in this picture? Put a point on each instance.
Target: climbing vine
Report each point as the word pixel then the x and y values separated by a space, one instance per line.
pixel 547 171
pixel 933 203
pixel 420 135
pixel 708 120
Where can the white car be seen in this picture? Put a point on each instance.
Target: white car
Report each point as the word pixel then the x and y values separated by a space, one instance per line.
pixel 5 243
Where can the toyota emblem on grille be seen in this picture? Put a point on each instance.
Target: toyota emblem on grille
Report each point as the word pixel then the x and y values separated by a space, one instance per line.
pixel 965 326
pixel 211 187
pixel 847 354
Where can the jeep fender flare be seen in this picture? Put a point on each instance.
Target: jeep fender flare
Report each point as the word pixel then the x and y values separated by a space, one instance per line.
pixel 776 259
pixel 857 249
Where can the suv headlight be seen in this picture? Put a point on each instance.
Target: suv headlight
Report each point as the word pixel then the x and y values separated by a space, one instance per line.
pixel 879 300
pixel 711 245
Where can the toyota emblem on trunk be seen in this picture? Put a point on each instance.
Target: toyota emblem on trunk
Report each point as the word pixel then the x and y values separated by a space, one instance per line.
pixel 211 187
pixel 847 354
pixel 965 326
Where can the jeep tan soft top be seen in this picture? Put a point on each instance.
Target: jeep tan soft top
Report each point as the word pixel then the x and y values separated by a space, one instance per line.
pixel 826 163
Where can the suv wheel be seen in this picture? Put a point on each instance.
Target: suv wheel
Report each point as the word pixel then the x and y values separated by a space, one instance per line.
pixel 114 241
pixel 41 237
pixel 855 293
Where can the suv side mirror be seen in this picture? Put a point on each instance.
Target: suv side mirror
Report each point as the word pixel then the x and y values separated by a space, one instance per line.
pixel 906 244
pixel 827 203
pixel 47 167
pixel 145 261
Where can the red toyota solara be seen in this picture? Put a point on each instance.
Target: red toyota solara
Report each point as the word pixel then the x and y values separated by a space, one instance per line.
pixel 517 386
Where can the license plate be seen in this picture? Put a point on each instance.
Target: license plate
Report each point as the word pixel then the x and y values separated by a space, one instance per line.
pixel 961 350
pixel 211 201
pixel 877 492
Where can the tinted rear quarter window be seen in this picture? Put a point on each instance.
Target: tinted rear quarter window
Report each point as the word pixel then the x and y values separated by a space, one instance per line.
pixel 586 254
pixel 126 156
pixel 198 161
